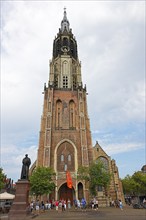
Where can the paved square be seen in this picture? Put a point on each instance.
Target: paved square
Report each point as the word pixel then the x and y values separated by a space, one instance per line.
pixel 102 214
pixel 108 213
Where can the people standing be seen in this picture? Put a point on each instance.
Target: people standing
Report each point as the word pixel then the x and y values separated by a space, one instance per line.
pixel 96 204
pixel 92 204
pixel 56 205
pixel 83 204
pixel 63 205
pixel 68 203
pixel 31 206
pixel 120 204
pixel 37 207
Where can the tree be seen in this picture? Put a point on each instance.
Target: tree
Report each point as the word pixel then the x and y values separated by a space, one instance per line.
pixel 135 184
pixel 96 174
pixel 129 185
pixel 41 181
pixel 83 173
pixel 140 178
pixel 2 179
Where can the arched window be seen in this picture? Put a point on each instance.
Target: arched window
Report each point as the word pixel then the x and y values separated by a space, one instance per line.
pixel 65 68
pixel 62 157
pixel 69 157
pixel 55 80
pixel 71 114
pixel 74 79
pixel 65 41
pixel 65 157
pixel 58 114
pixel 65 167
pixel 104 160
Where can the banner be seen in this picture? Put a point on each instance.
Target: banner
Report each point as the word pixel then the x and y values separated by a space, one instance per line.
pixel 69 180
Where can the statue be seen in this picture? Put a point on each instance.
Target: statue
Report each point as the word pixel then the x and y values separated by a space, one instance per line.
pixel 25 167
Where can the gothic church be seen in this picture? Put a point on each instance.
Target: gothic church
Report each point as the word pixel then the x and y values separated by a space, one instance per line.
pixel 65 141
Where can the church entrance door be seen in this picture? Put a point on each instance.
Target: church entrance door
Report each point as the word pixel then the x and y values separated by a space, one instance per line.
pixel 66 193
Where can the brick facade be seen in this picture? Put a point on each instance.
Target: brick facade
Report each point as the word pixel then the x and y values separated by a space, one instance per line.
pixel 65 140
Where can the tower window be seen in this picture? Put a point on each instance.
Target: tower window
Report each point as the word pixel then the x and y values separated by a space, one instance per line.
pixel 65 41
pixel 55 80
pixel 58 114
pixel 74 82
pixel 65 82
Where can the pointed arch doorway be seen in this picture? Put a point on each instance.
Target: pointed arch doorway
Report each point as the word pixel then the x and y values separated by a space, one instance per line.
pixel 66 193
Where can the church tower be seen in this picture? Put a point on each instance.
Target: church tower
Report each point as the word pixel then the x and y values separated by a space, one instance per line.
pixel 65 138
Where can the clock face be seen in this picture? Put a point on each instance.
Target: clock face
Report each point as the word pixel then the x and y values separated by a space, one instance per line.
pixel 65 49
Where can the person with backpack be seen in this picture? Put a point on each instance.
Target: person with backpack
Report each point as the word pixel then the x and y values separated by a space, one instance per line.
pixel 83 204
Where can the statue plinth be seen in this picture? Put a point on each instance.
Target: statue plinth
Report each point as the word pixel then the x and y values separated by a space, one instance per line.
pixel 20 204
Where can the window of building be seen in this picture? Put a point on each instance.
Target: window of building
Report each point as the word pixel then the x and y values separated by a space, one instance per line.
pixel 65 82
pixel 74 82
pixel 104 161
pixel 65 167
pixel 58 114
pixel 55 80
pixel 72 114
pixel 62 157
pixel 99 188
pixel 69 157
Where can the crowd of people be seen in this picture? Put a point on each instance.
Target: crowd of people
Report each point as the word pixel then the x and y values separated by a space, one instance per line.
pixel 63 205
pixel 58 205
pixel 117 204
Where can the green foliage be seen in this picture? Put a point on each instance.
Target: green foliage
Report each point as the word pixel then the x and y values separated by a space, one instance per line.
pixel 99 176
pixel 83 173
pixel 135 184
pixel 2 179
pixel 41 181
pixel 96 174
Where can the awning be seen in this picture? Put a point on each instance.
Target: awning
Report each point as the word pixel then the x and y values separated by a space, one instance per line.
pixel 6 195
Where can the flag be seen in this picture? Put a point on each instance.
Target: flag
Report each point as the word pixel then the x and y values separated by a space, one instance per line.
pixel 69 179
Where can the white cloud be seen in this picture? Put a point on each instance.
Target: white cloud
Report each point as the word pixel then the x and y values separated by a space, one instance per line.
pixel 117 148
pixel 12 159
pixel 111 42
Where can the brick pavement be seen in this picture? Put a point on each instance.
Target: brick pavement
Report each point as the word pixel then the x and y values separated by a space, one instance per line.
pixel 102 214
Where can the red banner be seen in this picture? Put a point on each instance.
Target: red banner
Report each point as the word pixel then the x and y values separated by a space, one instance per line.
pixel 69 179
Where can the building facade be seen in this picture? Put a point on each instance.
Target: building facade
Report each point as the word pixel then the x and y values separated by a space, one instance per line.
pixel 65 141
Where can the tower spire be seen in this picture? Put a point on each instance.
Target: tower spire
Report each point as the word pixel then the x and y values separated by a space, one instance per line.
pixel 65 22
pixel 65 17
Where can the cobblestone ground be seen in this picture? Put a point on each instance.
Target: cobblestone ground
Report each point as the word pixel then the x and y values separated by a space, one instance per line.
pixel 101 214
pixel 128 213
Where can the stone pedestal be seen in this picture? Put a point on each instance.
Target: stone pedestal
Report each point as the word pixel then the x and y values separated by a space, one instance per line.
pixel 19 207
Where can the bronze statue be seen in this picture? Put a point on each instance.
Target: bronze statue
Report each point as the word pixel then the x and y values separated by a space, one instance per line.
pixel 25 167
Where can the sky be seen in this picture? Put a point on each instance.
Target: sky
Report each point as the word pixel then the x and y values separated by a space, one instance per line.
pixel 111 47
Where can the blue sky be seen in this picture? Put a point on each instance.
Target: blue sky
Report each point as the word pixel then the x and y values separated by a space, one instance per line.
pixel 111 48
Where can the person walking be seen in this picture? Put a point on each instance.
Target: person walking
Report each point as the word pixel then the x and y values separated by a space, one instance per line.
pixel 120 204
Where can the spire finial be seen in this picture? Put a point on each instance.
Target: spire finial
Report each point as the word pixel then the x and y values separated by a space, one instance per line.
pixel 64 18
pixel 65 22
